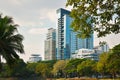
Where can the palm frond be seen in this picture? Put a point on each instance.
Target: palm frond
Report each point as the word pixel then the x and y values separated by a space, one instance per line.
pixel 10 40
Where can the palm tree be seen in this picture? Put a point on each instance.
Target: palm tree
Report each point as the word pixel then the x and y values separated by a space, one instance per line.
pixel 10 40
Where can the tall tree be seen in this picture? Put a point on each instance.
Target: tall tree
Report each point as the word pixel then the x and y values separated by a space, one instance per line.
pixel 58 68
pixel 10 40
pixel 71 67
pixel 42 69
pixel 114 61
pixel 102 63
pixel 86 68
pixel 103 14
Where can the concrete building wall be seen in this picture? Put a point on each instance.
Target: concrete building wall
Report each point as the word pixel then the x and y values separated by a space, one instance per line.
pixel 50 45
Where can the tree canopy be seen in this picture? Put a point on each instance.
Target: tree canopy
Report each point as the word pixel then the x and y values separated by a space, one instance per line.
pixel 71 66
pixel 86 68
pixel 102 16
pixel 114 61
pixel 102 63
pixel 10 40
pixel 59 67
pixel 42 69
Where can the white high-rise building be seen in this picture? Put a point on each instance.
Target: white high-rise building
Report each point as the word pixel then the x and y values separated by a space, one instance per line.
pixel 50 45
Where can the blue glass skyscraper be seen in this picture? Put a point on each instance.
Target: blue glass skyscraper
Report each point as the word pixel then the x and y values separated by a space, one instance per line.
pixel 66 40
pixel 63 34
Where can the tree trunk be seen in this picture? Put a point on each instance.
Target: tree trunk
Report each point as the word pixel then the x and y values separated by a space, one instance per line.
pixel 114 75
pixel 0 64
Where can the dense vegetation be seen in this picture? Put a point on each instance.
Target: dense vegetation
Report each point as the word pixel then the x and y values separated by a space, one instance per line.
pixel 10 41
pixel 108 65
pixel 102 16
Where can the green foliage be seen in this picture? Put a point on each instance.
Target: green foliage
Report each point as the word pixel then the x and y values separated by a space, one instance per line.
pixel 86 68
pixel 102 16
pixel 10 40
pixel 59 67
pixel 116 51
pixel 50 65
pixel 114 61
pixel 31 67
pixel 50 62
pixel 108 64
pixel 72 65
pixel 102 63
pixel 18 69
pixel 6 72
pixel 42 69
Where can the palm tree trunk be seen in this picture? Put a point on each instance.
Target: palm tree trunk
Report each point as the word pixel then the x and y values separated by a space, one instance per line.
pixel 0 64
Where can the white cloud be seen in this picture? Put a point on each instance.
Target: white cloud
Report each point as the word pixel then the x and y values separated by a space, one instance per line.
pixel 27 12
pixel 15 2
pixel 29 23
pixel 48 14
pixel 38 31
pixel 52 15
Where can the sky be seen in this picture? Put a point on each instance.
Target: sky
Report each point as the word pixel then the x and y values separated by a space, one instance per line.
pixel 34 17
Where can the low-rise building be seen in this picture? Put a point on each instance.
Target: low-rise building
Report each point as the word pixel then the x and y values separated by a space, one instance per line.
pixel 101 48
pixel 35 58
pixel 85 53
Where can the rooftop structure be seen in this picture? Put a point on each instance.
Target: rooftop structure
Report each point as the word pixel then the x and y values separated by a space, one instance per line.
pixel 35 58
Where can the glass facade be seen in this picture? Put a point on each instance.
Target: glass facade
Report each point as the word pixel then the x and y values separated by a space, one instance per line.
pixel 63 34
pixel 85 43
pixel 66 40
